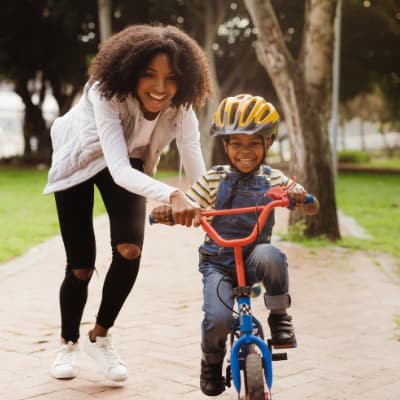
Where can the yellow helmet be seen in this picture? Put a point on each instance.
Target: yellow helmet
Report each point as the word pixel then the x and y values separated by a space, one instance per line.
pixel 246 114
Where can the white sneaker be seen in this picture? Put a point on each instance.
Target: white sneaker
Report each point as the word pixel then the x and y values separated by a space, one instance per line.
pixel 107 358
pixel 64 366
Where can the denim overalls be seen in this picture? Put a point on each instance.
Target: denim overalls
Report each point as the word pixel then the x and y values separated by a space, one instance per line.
pixel 263 262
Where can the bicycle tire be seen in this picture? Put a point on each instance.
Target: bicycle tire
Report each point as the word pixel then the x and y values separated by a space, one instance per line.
pixel 254 377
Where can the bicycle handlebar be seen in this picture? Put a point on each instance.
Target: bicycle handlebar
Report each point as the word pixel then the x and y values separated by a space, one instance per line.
pixel 280 199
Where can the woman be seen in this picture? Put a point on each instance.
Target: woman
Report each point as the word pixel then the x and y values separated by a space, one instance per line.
pixel 144 83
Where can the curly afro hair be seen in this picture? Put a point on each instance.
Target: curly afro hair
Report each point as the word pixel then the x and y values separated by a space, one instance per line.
pixel 124 57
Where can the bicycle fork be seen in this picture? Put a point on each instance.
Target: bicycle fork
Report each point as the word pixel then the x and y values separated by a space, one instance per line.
pixel 246 339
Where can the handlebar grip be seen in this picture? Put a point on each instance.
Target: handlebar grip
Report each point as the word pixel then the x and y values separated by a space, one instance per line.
pixel 153 221
pixel 309 199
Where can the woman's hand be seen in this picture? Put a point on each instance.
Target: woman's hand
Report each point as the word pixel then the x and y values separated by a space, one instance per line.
pixel 184 210
pixel 162 214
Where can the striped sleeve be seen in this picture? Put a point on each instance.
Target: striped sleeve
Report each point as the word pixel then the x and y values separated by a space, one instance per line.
pixel 278 178
pixel 204 190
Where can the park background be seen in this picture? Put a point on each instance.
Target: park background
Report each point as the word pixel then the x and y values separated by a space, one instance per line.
pixel 335 82
pixel 346 283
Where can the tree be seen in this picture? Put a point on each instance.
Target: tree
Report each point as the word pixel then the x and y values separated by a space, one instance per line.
pixel 303 88
pixel 371 57
pixel 224 31
pixel 46 46
pixel 105 18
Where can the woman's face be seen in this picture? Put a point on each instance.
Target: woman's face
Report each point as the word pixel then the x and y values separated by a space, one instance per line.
pixel 156 86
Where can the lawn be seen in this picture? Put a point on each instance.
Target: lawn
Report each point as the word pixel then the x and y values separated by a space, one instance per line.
pixel 374 201
pixel 28 217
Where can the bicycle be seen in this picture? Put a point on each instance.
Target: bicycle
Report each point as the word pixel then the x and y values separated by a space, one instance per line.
pixel 248 350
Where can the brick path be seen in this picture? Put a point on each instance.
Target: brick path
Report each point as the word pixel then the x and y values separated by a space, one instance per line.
pixel 343 308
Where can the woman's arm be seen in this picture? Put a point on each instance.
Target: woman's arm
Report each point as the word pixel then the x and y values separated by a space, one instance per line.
pixel 115 152
pixel 188 143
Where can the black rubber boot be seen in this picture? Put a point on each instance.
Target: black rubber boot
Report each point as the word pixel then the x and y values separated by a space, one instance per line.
pixel 282 330
pixel 212 383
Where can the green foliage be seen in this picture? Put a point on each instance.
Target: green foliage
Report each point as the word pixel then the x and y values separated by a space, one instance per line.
pixel 369 53
pixel 374 202
pixel 27 216
pixel 353 156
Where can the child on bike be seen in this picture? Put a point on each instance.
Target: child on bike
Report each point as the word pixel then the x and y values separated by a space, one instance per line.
pixel 248 126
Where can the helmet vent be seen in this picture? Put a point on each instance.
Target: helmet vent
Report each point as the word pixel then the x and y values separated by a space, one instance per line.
pixel 248 110
pixel 233 114
pixel 264 114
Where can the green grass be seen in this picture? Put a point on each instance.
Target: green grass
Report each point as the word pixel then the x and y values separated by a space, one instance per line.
pixel 27 216
pixel 374 202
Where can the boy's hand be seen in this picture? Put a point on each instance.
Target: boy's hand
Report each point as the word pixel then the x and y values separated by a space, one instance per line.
pixel 184 210
pixel 161 214
pixel 298 195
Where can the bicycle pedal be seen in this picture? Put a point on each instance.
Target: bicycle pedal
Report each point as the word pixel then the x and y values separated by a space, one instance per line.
pixel 279 357
pixel 281 346
pixel 284 346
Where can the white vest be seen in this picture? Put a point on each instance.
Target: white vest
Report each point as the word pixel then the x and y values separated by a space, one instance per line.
pixel 77 152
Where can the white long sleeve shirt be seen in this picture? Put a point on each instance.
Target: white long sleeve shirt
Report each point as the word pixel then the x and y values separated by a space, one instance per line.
pixel 97 133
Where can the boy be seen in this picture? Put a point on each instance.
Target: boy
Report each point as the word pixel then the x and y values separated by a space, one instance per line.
pixel 248 126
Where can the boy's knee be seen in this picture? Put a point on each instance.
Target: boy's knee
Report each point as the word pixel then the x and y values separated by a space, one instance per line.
pixel 277 302
pixel 129 251
pixel 267 253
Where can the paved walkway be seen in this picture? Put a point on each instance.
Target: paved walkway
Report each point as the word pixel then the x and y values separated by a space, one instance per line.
pixel 343 307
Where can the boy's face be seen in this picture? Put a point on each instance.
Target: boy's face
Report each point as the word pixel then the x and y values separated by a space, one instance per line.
pixel 246 152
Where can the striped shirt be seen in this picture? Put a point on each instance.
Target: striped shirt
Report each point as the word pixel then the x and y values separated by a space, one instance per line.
pixel 204 190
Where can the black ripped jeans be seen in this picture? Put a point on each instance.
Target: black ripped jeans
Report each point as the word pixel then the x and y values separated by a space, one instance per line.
pixel 126 213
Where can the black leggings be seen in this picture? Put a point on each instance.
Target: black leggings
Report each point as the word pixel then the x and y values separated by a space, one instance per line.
pixel 126 213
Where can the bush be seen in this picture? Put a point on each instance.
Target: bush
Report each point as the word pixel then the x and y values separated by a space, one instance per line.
pixel 353 156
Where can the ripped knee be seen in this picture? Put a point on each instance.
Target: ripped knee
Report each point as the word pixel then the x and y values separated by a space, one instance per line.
pixel 129 251
pixel 82 274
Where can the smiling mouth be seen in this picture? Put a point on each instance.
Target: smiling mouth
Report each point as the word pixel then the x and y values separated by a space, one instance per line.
pixel 246 161
pixel 156 98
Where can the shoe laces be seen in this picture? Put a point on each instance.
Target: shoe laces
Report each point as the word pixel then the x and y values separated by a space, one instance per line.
pixel 66 353
pixel 106 347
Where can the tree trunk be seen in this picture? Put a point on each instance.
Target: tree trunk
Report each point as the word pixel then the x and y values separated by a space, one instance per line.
pixel 34 126
pixel 104 8
pixel 302 87
pixel 215 14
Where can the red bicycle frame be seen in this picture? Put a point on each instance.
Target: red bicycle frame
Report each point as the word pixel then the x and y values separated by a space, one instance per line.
pixel 280 199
